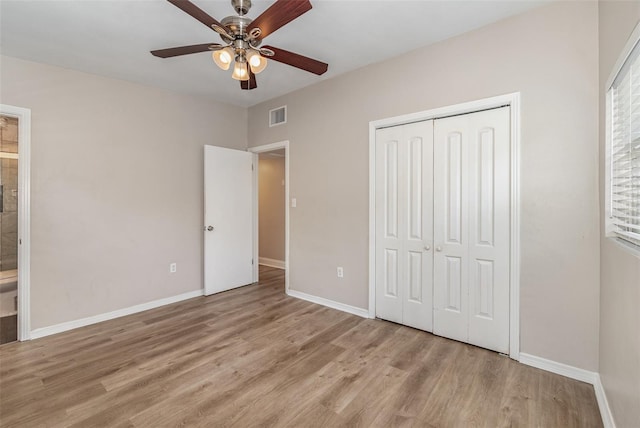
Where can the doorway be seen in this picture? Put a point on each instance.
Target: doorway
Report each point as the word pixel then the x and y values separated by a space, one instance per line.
pixel 8 229
pixel 444 222
pixel 271 212
pixel 15 128
pixel 271 207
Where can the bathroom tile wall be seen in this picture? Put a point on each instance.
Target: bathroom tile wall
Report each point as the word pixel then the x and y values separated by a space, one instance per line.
pixel 9 135
pixel 9 181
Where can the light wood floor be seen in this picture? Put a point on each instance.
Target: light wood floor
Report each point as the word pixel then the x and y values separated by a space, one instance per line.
pixel 255 357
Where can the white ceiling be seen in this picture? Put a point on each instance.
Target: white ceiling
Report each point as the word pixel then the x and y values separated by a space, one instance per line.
pixel 113 38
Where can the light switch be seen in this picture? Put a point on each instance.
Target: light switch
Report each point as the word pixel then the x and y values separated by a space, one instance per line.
pixel 293 202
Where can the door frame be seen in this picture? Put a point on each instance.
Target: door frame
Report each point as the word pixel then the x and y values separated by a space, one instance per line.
pixel 24 216
pixel 256 219
pixel 512 100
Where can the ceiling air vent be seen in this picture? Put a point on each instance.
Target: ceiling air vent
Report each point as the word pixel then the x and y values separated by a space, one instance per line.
pixel 278 116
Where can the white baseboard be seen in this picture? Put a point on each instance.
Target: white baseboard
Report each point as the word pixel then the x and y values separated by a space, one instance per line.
pixel 587 376
pixel 364 313
pixel 279 264
pixel 558 368
pixel 70 325
pixel 603 404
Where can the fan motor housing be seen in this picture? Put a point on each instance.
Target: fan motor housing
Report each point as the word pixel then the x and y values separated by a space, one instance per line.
pixel 237 25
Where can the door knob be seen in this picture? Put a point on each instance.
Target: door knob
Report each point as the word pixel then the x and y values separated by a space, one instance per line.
pixel 438 249
pixel 210 228
pixel 427 247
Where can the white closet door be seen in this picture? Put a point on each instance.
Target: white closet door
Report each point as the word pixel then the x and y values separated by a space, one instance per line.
pixel 450 205
pixel 471 228
pixel 389 223
pixel 489 229
pixel 404 223
pixel 417 254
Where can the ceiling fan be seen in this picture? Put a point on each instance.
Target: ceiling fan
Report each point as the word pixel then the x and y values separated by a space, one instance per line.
pixel 243 37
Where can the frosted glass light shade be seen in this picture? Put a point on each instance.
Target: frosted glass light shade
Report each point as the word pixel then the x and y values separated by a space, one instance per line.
pixel 240 71
pixel 223 58
pixel 256 61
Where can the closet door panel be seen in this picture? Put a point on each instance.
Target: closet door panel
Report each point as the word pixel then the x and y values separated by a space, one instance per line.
pixel 390 224
pixel 489 162
pixel 450 208
pixel 418 301
pixel 471 228
pixel 404 224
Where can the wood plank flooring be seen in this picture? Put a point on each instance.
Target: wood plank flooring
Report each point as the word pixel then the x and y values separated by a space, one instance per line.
pixel 256 357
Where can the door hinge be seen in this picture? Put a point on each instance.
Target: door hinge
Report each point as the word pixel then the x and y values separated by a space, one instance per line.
pixel 251 167
pixel 251 261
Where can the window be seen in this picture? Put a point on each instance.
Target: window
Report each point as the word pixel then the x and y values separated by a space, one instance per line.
pixel 623 146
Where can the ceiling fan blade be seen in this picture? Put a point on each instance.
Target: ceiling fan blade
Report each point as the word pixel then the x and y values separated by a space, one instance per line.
pixel 185 50
pixel 199 14
pixel 299 61
pixel 279 14
pixel 251 83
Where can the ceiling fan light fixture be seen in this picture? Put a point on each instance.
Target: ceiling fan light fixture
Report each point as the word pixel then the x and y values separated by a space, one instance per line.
pixel 223 58
pixel 240 71
pixel 256 61
pixel 242 37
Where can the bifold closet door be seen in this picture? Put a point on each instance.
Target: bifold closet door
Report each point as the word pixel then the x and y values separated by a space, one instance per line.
pixel 404 224
pixel 471 228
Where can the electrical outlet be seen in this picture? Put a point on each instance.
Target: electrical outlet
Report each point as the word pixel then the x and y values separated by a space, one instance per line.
pixel 173 267
pixel 340 272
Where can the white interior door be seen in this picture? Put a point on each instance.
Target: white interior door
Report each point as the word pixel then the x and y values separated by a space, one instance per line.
pixel 404 224
pixel 228 214
pixel 471 228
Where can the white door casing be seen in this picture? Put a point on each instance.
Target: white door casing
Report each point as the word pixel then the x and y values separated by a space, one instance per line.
pixel 404 205
pixel 472 228
pixel 228 246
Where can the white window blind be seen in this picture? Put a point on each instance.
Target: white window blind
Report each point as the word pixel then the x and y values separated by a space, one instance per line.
pixel 624 180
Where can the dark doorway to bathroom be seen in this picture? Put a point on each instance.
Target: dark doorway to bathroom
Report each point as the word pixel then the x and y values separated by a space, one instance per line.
pixel 8 229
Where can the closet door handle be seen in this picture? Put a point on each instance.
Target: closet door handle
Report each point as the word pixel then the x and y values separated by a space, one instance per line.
pixel 438 249
pixel 427 247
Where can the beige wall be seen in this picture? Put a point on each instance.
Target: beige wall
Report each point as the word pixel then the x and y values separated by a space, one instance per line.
pixel 620 270
pixel 550 56
pixel 117 185
pixel 271 207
